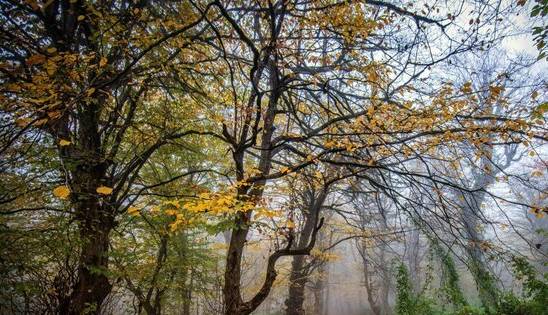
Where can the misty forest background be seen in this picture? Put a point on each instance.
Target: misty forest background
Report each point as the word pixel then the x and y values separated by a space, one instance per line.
pixel 273 157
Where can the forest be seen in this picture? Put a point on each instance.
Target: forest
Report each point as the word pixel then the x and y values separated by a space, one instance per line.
pixel 269 157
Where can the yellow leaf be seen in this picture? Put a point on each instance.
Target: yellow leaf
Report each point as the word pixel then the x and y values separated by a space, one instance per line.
pixel 61 192
pixel 532 153
pixel 52 50
pixel 81 18
pixel 290 224
pixel 64 142
pixel 40 122
pixel 103 62
pixel 536 173
pixel 171 212
pixel 90 91
pixel 104 190
pixel 133 211
pixel 35 59
pixel 23 122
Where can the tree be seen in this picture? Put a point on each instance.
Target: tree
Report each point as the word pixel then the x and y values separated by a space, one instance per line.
pixel 77 73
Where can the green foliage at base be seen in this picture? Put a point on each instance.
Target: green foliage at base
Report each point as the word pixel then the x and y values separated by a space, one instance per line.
pixel 532 301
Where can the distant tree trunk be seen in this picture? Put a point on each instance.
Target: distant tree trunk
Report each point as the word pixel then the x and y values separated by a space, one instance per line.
pixel 321 281
pixel 295 299
pixel 298 276
pixel 414 260
pixel 472 216
pixel 319 288
pixel 187 295
pixel 484 280
pixel 369 286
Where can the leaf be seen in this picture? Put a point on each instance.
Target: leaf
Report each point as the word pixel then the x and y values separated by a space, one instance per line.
pixel 81 18
pixel 104 190
pixel 23 122
pixel 64 142
pixel 103 62
pixel 35 60
pixel 40 122
pixel 61 192
pixel 90 91
pixel 134 211
pixel 536 173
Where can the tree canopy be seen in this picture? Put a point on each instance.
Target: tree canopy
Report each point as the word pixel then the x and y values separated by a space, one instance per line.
pixel 161 157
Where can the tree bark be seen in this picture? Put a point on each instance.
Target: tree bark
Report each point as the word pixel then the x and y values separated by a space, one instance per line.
pixel 298 277
pixel 231 290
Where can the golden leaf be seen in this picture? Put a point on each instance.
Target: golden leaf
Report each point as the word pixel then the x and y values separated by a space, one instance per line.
pixel 90 91
pixel 134 211
pixel 35 60
pixel 61 192
pixel 81 18
pixel 40 122
pixel 23 122
pixel 104 190
pixel 103 62
pixel 64 142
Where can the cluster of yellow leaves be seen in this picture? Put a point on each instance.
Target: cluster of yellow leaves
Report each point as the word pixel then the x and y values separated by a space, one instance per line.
pixel 217 203
pixel 324 256
pixel 266 213
pixel 56 82
pixel 351 19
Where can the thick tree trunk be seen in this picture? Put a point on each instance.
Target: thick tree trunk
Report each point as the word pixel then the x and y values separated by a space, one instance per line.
pixel 94 214
pixel 92 286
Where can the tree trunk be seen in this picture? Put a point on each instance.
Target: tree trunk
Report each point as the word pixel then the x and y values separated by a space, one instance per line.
pixel 319 286
pixel 231 290
pixel 92 286
pixel 94 214
pixel 298 277
pixel 487 289
pixel 295 299
pixel 187 295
